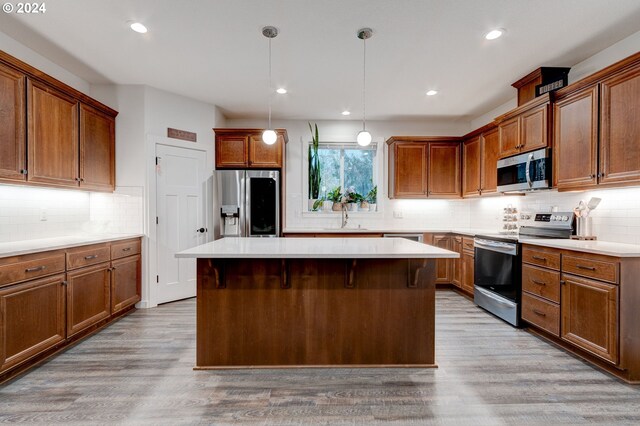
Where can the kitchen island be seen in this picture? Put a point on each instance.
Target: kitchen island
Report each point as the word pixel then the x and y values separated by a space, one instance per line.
pixel 274 302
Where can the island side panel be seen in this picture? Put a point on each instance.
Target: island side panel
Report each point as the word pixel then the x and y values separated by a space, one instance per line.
pixel 314 312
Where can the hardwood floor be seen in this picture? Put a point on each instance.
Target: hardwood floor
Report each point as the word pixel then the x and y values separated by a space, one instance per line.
pixel 138 372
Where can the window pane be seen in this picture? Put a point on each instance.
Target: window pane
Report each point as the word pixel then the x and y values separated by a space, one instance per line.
pixel 358 169
pixel 329 169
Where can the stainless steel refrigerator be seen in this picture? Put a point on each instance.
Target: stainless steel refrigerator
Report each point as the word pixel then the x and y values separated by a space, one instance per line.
pixel 249 202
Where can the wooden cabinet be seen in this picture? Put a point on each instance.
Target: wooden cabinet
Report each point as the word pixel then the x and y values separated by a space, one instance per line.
pixel 526 128
pixel 509 135
pixel 424 167
pixel 97 150
pixel 443 266
pixel 456 272
pixel 471 167
pixel 32 319
pixel 480 159
pixel 88 297
pixel 590 316
pixel 468 259
pixel 243 148
pixel 13 159
pixel 125 283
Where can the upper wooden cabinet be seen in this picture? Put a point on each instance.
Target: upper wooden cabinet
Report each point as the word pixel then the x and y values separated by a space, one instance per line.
pixel 12 125
pixel 479 168
pixel 489 153
pixel 471 166
pixel 422 167
pixel 526 128
pixel 70 137
pixel 243 148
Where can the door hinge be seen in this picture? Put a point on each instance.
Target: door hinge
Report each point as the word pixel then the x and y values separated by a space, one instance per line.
pixel 157 278
pixel 156 220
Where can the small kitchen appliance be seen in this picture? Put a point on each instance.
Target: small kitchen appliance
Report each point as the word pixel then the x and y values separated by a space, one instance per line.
pixel 525 172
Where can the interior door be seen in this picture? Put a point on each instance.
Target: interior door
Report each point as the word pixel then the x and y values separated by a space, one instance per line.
pixel 181 199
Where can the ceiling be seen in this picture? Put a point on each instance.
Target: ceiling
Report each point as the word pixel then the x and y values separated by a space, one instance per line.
pixel 214 51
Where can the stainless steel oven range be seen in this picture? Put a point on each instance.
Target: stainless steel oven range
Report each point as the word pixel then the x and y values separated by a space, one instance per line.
pixel 497 265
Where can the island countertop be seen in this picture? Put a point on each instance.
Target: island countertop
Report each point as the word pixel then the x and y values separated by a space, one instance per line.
pixel 318 248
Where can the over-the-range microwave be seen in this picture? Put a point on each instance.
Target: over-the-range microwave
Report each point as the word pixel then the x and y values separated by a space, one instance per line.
pixel 525 172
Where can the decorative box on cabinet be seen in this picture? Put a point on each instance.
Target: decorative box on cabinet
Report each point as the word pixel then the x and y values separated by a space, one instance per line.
pixel 243 148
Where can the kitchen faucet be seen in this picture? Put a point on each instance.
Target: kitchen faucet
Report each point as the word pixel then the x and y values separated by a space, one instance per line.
pixel 345 215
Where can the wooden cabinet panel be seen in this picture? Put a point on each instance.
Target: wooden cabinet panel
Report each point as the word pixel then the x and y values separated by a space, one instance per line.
pixel 468 244
pixel 126 248
pixel 509 136
pixel 468 259
pixel 471 170
pixel 88 297
pixel 591 268
pixel 53 136
pixel 32 319
pixel 232 151
pixel 27 267
pixel 541 313
pixel 489 154
pixel 534 128
pixel 410 170
pixel 541 257
pixel 456 273
pixel 97 150
pixel 576 140
pixel 125 283
pixel 590 316
pixel 87 255
pixel 620 128
pixel 443 266
pixel 541 282
pixel 444 170
pixel 262 155
pixel 13 159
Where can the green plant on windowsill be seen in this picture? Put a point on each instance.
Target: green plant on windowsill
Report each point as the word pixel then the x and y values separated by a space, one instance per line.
pixel 372 195
pixel 314 164
pixel 317 205
pixel 335 195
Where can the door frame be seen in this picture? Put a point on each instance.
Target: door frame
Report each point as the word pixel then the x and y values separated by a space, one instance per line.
pixel 150 266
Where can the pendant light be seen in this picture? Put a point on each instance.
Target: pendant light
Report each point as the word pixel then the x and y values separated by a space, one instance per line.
pixel 269 136
pixel 364 137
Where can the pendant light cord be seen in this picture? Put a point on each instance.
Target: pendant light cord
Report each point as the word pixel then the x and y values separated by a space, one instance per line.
pixel 364 80
pixel 270 86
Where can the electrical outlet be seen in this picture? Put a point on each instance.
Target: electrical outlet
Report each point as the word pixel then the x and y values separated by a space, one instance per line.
pixel 43 215
pixel 397 214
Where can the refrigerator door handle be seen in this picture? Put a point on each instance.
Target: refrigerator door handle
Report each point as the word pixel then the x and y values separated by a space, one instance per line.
pixel 246 225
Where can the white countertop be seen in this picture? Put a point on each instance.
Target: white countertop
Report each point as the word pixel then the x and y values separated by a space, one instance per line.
pixel 325 248
pixel 16 248
pixel 463 231
pixel 595 247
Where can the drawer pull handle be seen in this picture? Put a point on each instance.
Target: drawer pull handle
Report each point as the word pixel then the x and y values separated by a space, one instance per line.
pixel 91 256
pixel 539 313
pixel 542 259
pixel 588 268
pixel 126 249
pixel 538 282
pixel 36 269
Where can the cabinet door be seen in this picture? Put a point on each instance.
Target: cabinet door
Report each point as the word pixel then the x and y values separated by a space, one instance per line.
pixel 232 151
pixel 125 283
pixel 456 276
pixel 32 319
pixel 576 140
pixel 88 297
pixel 509 136
pixel 620 128
pixel 443 266
pixel 489 153
pixel 467 271
pixel 534 128
pixel 12 125
pixel 97 150
pixel 410 170
pixel 265 156
pixel 590 316
pixel 471 155
pixel 53 136
pixel 444 170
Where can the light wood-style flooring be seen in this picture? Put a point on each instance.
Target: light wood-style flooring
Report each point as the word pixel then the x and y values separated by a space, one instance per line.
pixel 139 371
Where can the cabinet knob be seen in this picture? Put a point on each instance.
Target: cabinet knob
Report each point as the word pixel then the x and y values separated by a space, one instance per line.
pixel 63 283
pixel 23 171
pixel 77 179
pixel 592 176
pixel 563 282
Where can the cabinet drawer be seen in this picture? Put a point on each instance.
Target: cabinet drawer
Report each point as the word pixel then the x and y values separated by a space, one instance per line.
pixel 22 268
pixel 87 255
pixel 125 248
pixel 467 243
pixel 541 282
pixel 541 313
pixel 600 270
pixel 547 259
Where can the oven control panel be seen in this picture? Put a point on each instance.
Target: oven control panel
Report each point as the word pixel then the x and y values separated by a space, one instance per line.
pixel 547 220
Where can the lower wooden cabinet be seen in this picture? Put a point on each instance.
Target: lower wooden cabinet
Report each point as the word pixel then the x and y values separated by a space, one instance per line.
pixel 456 273
pixel 590 316
pixel 443 266
pixel 468 258
pixel 88 297
pixel 32 319
pixel 125 283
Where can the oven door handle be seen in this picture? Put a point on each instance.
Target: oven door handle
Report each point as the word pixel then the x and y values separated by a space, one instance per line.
pixel 494 297
pixel 497 246
pixel 528 170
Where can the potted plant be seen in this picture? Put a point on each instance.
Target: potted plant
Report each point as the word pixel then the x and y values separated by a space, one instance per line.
pixel 318 204
pixel 314 167
pixel 336 197
pixel 372 198
pixel 351 197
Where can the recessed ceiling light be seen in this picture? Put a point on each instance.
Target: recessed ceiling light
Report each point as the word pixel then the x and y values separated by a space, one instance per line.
pixel 345 112
pixel 138 27
pixel 282 90
pixel 432 92
pixel 494 34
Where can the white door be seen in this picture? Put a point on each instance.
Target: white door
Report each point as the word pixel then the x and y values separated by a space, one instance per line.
pixel 181 182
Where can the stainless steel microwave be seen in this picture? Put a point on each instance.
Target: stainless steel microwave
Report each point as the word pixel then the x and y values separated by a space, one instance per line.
pixel 525 172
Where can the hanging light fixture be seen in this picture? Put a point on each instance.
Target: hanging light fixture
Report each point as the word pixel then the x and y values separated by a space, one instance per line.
pixel 364 137
pixel 269 136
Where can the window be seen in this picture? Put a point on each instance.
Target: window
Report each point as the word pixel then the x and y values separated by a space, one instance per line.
pixel 347 165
